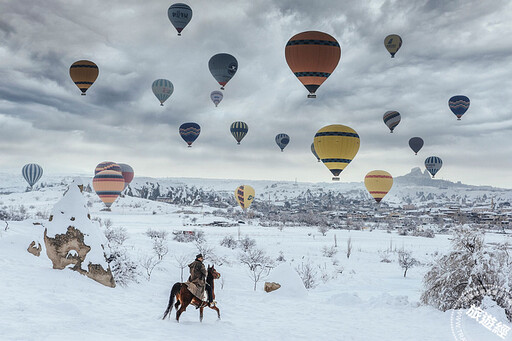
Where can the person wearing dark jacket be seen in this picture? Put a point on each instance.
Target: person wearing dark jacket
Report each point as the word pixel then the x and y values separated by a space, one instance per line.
pixel 198 277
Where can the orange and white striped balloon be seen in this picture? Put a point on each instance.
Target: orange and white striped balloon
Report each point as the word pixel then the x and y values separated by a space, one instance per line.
pixel 108 185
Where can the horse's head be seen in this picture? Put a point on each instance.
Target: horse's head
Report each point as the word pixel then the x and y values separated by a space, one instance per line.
pixel 213 272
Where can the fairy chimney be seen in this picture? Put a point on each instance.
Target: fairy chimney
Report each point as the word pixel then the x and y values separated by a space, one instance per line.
pixel 72 240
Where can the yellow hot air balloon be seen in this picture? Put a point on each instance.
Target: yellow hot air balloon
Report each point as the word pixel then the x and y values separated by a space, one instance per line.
pixel 244 195
pixel 336 145
pixel 378 183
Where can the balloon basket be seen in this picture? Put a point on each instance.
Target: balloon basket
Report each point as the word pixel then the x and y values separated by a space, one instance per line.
pixel 222 88
pixel 238 143
pixel 458 119
pixel 189 146
pixel 106 209
pixel 161 104
pixel 311 96
pixel 335 178
pixel 83 93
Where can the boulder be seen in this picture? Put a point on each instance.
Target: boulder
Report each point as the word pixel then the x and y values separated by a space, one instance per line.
pixel 36 251
pixel 271 286
pixel 73 241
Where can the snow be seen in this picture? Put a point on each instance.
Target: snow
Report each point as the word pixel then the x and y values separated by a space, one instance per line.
pixel 291 284
pixel 369 300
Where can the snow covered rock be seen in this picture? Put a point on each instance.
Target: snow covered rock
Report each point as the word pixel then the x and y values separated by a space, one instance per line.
pixel 73 240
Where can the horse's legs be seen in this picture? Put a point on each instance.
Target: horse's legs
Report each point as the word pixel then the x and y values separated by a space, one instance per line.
pixel 201 314
pixel 217 310
pixel 181 310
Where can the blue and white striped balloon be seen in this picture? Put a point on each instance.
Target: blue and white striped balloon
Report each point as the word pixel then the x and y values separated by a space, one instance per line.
pixel 282 140
pixel 163 89
pixel 433 164
pixel 32 173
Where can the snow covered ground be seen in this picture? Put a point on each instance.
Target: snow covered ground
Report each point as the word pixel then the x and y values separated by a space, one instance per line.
pixel 361 299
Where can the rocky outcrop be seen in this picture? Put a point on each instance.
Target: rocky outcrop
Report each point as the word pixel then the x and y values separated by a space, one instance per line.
pixel 73 241
pixel 36 251
pixel 271 286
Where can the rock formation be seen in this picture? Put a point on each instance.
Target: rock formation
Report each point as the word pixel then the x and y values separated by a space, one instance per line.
pixel 271 286
pixel 72 240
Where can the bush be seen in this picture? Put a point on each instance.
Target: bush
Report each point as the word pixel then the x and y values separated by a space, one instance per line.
pixel 246 243
pixel 385 256
pixel 189 236
pixel 329 251
pixel 116 235
pixel 308 275
pixel 154 234
pixel 229 242
pixel 123 268
pixel 469 266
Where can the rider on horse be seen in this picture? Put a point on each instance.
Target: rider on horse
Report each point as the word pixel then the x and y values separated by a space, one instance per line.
pixel 198 277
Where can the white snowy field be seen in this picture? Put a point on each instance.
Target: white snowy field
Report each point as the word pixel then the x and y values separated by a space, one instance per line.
pixel 361 298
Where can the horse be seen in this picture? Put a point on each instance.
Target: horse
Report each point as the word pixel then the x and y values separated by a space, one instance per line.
pixel 185 297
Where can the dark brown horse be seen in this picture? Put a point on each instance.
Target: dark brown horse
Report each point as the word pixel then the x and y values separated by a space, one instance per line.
pixel 184 297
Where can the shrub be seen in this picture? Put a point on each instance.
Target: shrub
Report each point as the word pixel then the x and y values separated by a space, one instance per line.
pixel 229 242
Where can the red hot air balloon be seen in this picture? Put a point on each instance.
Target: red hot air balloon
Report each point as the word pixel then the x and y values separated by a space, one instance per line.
pixel 127 172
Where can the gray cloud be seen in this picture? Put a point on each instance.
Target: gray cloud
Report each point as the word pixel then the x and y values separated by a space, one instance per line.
pixel 450 48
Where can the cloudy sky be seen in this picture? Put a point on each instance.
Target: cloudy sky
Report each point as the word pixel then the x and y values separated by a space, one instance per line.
pixel 450 47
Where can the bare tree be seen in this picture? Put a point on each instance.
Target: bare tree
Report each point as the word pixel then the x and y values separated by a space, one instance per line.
pixel 182 261
pixel 406 260
pixel 149 263
pixel 258 262
pixel 349 247
pixel 323 229
pixel 160 248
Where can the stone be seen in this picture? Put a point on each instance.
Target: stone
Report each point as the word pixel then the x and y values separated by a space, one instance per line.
pixel 271 286
pixel 36 251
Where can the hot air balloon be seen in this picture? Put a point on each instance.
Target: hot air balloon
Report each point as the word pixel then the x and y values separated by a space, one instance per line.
pixel 282 140
pixel 108 185
pixel 32 173
pixel 223 67
pixel 416 143
pixel 84 73
pixel 127 172
pixel 433 164
pixel 190 132
pixel 378 183
pixel 336 145
pixel 216 97
pixel 312 56
pixel 244 195
pixel 239 130
pixel 391 119
pixel 107 165
pixel 163 89
pixel 459 105
pixel 180 15
pixel 393 42
pixel 314 151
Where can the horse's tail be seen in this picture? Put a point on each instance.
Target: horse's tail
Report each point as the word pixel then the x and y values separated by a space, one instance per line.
pixel 175 289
